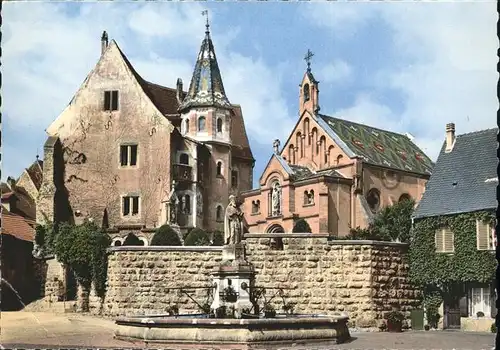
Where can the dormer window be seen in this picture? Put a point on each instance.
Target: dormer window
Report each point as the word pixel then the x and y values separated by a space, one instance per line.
pixel 111 100
pixel 219 124
pixel 307 95
pixel 201 124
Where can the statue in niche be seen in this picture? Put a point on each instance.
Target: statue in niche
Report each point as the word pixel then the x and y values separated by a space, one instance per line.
pixel 199 203
pixel 233 223
pixel 276 199
pixel 173 203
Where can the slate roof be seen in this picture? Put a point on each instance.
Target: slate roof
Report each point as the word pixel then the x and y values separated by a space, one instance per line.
pixel 300 172
pixel 206 88
pixel 17 226
pixel 465 179
pixel 379 147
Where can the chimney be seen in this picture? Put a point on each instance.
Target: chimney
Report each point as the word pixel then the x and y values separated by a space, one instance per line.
pixel 450 136
pixel 104 42
pixel 276 146
pixel 11 182
pixel 179 90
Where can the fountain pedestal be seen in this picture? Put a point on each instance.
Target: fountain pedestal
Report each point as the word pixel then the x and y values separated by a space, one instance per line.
pixel 234 274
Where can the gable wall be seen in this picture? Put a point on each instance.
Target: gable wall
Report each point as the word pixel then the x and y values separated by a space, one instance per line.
pixel 25 182
pixel 100 181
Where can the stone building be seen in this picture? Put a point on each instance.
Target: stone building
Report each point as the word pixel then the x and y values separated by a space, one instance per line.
pixel 131 155
pixel 333 173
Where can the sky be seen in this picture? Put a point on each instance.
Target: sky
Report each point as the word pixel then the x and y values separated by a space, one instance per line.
pixel 405 67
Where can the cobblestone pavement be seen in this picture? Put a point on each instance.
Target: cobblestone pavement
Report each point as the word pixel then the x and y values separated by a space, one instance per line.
pixel 43 330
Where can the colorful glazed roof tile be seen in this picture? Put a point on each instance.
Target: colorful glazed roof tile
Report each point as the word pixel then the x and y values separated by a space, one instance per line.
pixel 206 88
pixel 380 147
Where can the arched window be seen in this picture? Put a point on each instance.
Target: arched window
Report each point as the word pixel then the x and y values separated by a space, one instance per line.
pixel 311 197
pixel 306 130
pixel 184 159
pixel 306 93
pixel 201 124
pixel 299 144
pixel 219 124
pixel 339 159
pixel 315 140
pixel 117 243
pixel 187 204
pixel 306 198
pixel 322 141
pixel 186 126
pixel 219 168
pixel 218 213
pixel 291 154
pixel 373 199
pixel 404 197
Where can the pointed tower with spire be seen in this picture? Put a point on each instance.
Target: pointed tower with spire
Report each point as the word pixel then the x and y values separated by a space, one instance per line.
pixel 309 90
pixel 206 110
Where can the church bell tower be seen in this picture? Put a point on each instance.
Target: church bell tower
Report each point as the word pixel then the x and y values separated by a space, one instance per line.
pixel 309 90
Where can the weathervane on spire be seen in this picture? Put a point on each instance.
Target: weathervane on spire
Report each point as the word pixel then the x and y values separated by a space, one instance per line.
pixel 205 13
pixel 308 57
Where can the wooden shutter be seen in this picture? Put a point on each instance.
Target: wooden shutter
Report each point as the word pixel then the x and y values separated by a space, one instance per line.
pixel 483 235
pixel 114 100
pixel 449 241
pixel 107 100
pixel 439 240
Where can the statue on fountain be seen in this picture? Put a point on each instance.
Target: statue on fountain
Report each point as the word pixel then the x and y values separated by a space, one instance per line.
pixel 233 223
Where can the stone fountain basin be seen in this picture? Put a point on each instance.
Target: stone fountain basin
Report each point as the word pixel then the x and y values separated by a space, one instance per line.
pixel 185 329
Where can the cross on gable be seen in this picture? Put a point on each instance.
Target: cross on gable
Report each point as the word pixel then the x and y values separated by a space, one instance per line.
pixel 308 57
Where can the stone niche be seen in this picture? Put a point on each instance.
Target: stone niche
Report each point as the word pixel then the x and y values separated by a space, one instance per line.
pixel 364 279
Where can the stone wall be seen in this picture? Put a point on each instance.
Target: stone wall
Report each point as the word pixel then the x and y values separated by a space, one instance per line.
pixel 363 278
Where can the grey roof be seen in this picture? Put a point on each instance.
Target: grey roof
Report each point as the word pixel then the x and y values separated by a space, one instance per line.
pixel 465 179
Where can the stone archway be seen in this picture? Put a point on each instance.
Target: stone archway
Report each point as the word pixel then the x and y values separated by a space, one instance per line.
pixel 275 228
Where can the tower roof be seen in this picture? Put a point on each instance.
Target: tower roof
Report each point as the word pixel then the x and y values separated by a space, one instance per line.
pixel 206 88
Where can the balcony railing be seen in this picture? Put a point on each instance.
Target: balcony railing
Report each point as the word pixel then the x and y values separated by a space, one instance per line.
pixel 182 172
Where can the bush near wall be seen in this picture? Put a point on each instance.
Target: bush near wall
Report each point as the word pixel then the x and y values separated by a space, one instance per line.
pixel 166 235
pixel 197 237
pixel 132 240
pixel 301 226
pixel 217 238
pixel 439 274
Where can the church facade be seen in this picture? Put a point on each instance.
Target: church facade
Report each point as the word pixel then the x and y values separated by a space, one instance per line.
pixel 124 148
pixel 333 173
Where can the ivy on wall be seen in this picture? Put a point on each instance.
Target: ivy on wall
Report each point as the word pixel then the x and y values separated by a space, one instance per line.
pixel 440 274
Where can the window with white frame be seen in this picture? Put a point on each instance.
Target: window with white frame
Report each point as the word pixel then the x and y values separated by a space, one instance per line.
pixel 445 240
pixel 128 155
pixel 130 205
pixel 111 100
pixel 480 301
pixel 486 235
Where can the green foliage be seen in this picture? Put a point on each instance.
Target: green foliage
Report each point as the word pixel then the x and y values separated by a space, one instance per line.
pixel 493 328
pixel 132 240
pixel 45 237
pixel 391 223
pixel 197 237
pixel 466 264
pixel 83 249
pixel 217 238
pixel 301 226
pixel 395 317
pixel 166 235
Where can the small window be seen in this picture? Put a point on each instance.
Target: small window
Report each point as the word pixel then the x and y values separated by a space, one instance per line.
pixel 111 100
pixel 128 155
pixel 306 197
pixel 219 168
pixel 201 124
pixel 306 93
pixel 218 213
pixel 404 197
pixel 186 204
pixel 486 235
pixel 118 243
pixel 373 199
pixel 219 124
pixel 186 126
pixel 130 205
pixel 184 159
pixel 309 197
pixel 234 178
pixel 445 241
pixel 256 206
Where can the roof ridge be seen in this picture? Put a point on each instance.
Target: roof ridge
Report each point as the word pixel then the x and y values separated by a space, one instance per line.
pixel 366 125
pixel 477 132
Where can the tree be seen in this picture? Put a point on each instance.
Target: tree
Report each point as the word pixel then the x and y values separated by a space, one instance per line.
pixel 132 240
pixel 197 237
pixel 301 226
pixel 83 249
pixel 166 235
pixel 392 223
